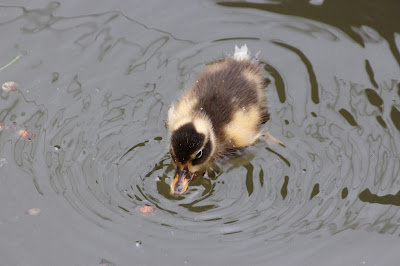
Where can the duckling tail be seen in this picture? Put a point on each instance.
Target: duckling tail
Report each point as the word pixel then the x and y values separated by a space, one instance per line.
pixel 241 53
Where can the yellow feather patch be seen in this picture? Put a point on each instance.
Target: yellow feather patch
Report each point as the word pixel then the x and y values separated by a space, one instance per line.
pixel 181 113
pixel 243 129
pixel 202 125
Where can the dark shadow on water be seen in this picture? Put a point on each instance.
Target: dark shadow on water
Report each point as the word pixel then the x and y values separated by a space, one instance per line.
pixel 279 83
pixel 311 74
pixel 395 116
pixel 314 191
pixel 370 73
pixel 284 189
pixel 342 14
pixel 279 155
pixel 349 117
pixel 367 196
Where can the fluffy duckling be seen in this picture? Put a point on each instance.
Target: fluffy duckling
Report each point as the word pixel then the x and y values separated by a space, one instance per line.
pixel 223 111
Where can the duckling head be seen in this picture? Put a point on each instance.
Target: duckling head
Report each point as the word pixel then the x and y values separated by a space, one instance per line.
pixel 192 146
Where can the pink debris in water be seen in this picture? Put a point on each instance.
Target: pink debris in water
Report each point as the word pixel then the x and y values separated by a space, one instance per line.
pixel 26 134
pixel 33 211
pixel 23 133
pixel 10 86
pixel 146 209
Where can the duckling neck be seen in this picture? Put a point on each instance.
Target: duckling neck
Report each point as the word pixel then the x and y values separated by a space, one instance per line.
pixel 204 125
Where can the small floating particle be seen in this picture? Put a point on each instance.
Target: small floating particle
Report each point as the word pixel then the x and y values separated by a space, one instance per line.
pixel 138 243
pixel 57 147
pixel 26 134
pixel 33 211
pixel 10 86
pixel 2 126
pixel 146 209
pixel 23 133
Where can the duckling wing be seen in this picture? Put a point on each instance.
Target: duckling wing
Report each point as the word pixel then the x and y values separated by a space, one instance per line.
pixel 232 94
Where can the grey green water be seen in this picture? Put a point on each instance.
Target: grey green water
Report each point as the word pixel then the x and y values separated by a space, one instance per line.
pixel 83 137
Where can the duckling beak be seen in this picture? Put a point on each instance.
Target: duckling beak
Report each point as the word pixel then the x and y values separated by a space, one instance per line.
pixel 181 181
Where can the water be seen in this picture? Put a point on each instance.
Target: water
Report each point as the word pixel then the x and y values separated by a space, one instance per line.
pixel 83 137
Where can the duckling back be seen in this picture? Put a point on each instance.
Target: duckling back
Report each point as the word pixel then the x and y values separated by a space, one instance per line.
pixel 231 93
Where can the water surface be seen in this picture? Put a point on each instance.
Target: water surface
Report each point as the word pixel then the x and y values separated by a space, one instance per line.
pixel 94 82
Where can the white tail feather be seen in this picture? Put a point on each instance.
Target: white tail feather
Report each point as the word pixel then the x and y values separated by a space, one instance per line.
pixel 241 53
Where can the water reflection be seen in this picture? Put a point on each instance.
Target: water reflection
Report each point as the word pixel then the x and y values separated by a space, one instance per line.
pixel 309 67
pixel 340 14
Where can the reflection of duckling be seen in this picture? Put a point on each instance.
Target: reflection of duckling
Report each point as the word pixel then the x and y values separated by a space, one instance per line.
pixel 223 111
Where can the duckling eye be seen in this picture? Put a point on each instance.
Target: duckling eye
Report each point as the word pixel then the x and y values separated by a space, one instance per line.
pixel 199 154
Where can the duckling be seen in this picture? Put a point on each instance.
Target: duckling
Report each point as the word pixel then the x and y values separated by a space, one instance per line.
pixel 223 111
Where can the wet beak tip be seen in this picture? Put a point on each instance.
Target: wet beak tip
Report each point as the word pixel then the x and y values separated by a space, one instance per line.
pixel 178 189
pixel 180 182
